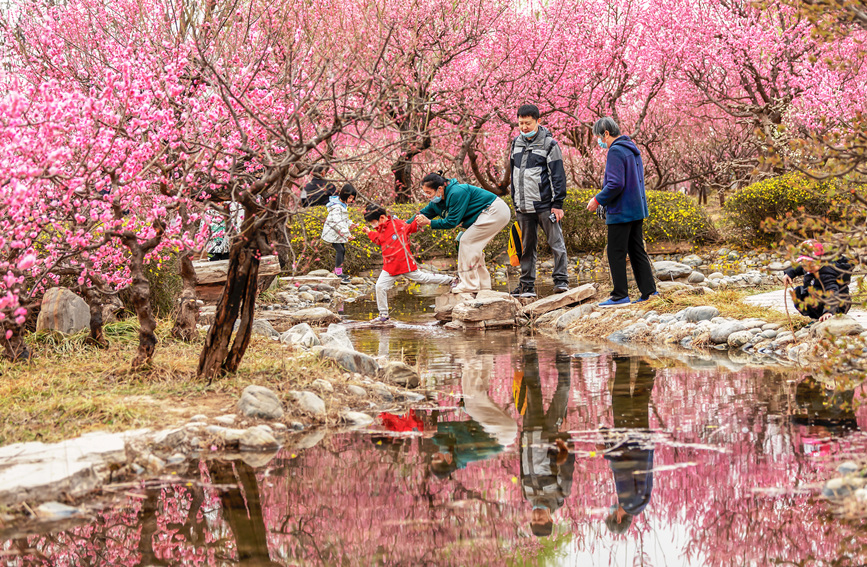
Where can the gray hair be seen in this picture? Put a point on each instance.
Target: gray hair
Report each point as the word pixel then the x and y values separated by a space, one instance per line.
pixel 606 124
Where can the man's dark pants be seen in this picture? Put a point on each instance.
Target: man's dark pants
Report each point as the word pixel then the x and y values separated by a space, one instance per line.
pixel 624 239
pixel 529 223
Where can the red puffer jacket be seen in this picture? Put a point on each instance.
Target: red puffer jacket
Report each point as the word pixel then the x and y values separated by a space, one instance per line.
pixel 393 238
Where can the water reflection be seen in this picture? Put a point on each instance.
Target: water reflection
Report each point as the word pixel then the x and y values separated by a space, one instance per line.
pixel 628 448
pixel 622 460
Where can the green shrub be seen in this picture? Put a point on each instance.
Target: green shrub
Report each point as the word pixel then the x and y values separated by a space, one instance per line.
pixel 672 217
pixel 774 198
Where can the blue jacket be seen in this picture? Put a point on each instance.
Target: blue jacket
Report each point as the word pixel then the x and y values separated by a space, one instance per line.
pixel 622 192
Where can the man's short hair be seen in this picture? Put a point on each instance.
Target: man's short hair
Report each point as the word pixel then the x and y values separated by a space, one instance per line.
pixel 542 530
pixel 530 110
pixel 374 212
pixel 606 124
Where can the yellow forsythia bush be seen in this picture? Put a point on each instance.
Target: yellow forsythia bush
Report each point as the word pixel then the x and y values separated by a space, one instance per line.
pixel 673 217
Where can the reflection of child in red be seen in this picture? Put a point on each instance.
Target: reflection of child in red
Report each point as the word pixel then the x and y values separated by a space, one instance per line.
pixel 401 423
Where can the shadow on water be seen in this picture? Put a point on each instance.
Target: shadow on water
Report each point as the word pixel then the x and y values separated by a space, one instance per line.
pixel 537 452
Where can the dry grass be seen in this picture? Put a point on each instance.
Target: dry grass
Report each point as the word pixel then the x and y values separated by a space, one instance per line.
pixel 729 302
pixel 69 388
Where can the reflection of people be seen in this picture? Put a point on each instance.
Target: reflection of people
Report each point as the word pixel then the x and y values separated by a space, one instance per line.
pixel 546 463
pixel 489 431
pixel 823 413
pixel 826 287
pixel 629 453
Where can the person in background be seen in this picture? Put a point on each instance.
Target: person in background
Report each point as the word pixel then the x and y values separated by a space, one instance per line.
pixel 625 206
pixel 336 230
pixel 826 286
pixel 318 190
pixel 392 235
pixel 538 191
pixel 481 212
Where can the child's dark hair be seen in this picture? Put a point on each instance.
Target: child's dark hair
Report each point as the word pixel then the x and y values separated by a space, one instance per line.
pixel 347 192
pixel 374 212
pixel 434 180
pixel 530 110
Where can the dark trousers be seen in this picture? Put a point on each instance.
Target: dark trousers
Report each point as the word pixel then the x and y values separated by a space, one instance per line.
pixel 624 239
pixel 530 223
pixel 815 308
pixel 339 253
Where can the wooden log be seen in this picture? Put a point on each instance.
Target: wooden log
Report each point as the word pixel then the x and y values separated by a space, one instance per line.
pixel 215 272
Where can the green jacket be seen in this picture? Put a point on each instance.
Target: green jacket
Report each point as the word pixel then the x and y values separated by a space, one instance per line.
pixel 461 205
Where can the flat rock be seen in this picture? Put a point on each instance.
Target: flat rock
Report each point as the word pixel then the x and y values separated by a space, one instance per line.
pixel 315 316
pixel 560 300
pixel 549 319
pixel 693 260
pixel 56 511
pixel 63 311
pixel 700 313
pixel 486 309
pixel 670 287
pixel 667 270
pixel 400 374
pixel 351 360
pixel 837 326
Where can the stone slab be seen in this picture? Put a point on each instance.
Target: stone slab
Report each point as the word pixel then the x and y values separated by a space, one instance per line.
pixel 557 301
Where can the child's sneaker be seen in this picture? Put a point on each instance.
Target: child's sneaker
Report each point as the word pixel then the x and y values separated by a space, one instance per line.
pixel 344 279
pixel 380 320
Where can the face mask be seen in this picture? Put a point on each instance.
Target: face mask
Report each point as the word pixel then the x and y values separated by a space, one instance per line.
pixel 530 134
pixel 436 199
pixel 602 144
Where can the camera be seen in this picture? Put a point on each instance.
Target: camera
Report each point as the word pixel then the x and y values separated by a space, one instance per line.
pixel 552 217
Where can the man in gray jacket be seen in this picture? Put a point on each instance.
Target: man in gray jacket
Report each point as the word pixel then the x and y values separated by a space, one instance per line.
pixel 538 192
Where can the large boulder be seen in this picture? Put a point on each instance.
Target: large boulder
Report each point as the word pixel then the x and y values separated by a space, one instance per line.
pixel 700 313
pixel 63 311
pixel 260 402
pixel 400 374
pixel 487 308
pixel 301 335
pixel 837 326
pixel 351 360
pixel 260 327
pixel 336 336
pixel 560 300
pixel 667 270
pixel 720 333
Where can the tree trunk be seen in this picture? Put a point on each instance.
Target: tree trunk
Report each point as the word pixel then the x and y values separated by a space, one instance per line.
pixel 239 293
pixel 188 310
pixel 94 301
pixel 402 170
pixel 141 301
pixel 14 348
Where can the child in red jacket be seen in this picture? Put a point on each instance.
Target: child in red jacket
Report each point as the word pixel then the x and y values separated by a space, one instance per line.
pixel 392 235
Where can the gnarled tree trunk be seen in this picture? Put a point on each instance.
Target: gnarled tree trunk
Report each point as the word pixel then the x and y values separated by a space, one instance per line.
pixel 188 310
pixel 238 298
pixel 94 301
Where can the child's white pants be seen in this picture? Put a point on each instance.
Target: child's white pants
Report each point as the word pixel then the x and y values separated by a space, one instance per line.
pixel 386 282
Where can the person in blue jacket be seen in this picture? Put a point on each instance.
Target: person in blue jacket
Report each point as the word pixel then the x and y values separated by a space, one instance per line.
pixel 625 206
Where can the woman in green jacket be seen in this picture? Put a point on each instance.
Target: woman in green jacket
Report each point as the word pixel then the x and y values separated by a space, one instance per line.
pixel 482 213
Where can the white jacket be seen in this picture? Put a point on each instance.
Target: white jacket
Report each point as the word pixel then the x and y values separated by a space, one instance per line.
pixel 337 224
